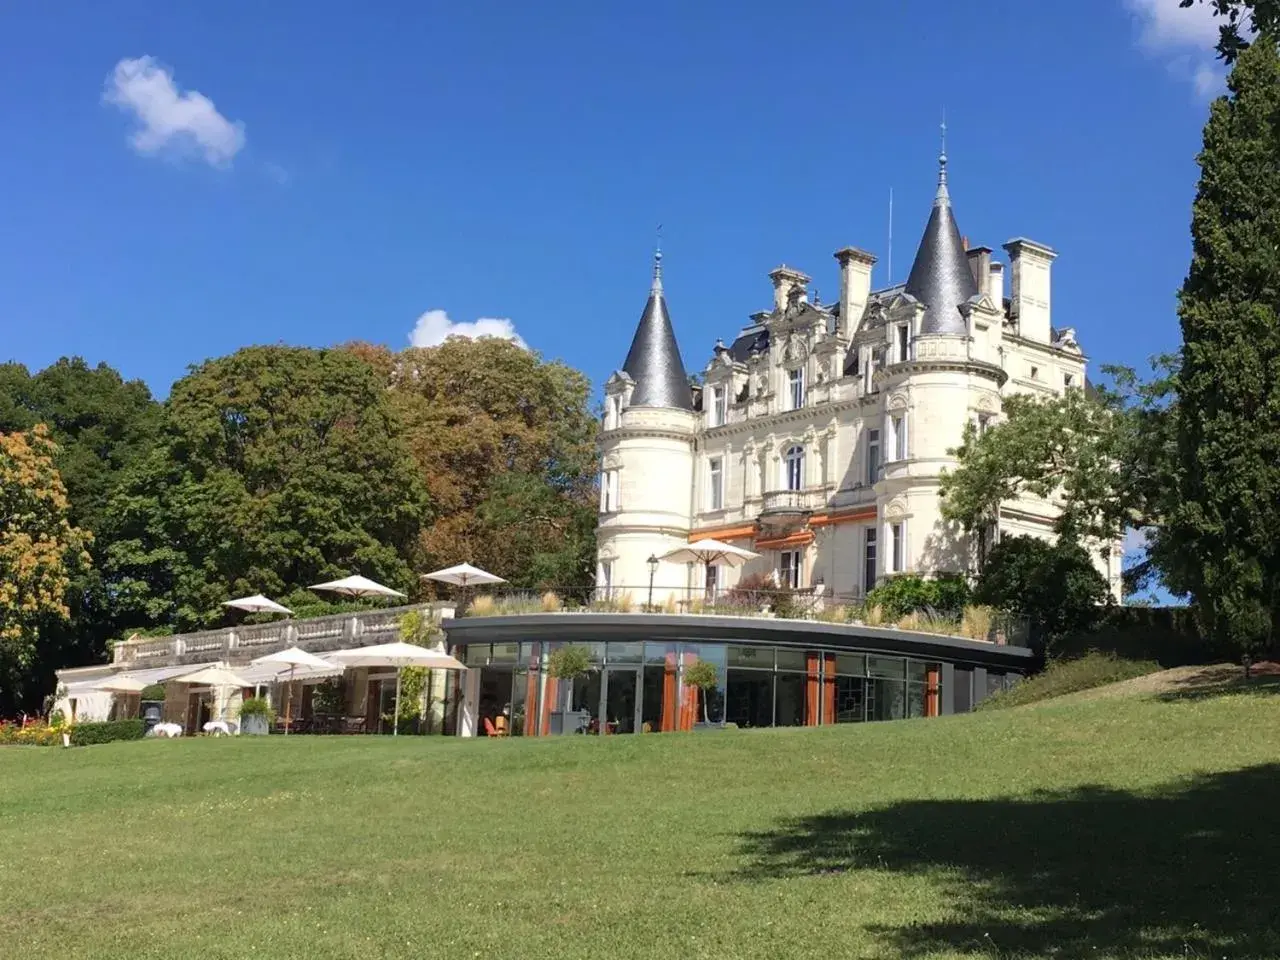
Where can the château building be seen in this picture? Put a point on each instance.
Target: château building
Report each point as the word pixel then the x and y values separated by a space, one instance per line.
pixel 819 435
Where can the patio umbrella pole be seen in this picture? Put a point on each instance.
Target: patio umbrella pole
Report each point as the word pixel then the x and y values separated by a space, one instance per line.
pixel 288 699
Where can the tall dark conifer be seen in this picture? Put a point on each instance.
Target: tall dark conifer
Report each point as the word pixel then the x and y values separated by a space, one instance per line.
pixel 1223 539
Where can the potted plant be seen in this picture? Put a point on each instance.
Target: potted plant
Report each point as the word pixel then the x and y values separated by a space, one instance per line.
pixel 702 675
pixel 256 716
pixel 567 664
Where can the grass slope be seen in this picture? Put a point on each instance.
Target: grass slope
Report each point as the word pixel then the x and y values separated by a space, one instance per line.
pixel 1070 676
pixel 1118 828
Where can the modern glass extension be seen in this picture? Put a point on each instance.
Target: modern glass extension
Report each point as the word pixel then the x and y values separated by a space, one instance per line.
pixel 640 687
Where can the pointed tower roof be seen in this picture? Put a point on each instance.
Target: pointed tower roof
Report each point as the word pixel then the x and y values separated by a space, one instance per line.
pixel 940 277
pixel 653 361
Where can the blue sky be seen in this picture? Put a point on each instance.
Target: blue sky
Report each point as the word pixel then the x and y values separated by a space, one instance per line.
pixel 341 174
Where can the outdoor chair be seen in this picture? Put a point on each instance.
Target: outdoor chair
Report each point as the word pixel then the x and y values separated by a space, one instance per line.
pixel 490 730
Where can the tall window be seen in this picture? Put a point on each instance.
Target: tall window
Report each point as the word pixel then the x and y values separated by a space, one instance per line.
pixel 793 468
pixel 898 424
pixel 713 580
pixel 983 423
pixel 1068 381
pixel 868 368
pixel 715 476
pixel 795 382
pixel 868 559
pixel 901 343
pixel 606 576
pixel 718 402
pixel 609 491
pixel 789 569
pixel 897 534
pixel 873 456
pixel 612 412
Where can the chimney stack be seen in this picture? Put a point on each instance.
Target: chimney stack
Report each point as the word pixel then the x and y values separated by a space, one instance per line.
pixel 855 286
pixel 785 280
pixel 980 266
pixel 1029 287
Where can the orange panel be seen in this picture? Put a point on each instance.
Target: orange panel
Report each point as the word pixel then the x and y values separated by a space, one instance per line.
pixel 811 690
pixel 829 689
pixel 531 701
pixel 932 693
pixel 738 532
pixel 792 540
pixel 669 694
pixel 549 699
pixel 827 519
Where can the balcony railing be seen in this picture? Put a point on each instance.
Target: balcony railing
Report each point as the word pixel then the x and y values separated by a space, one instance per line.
pixel 317 634
pixel 803 603
pixel 785 502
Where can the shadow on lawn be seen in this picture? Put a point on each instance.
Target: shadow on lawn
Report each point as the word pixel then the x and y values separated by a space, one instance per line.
pixel 1187 871
pixel 1224 680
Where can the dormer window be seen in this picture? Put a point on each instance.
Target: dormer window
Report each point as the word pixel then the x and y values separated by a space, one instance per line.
pixel 716 410
pixel 795 386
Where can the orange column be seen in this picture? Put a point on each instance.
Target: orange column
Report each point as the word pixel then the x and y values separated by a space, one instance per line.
pixel 932 692
pixel 548 699
pixel 829 688
pixel 811 689
pixel 689 700
pixel 668 723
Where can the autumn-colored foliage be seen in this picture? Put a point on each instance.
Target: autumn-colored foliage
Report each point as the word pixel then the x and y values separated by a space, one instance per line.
pixel 39 548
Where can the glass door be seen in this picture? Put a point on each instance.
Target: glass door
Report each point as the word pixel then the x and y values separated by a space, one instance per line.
pixel 620 700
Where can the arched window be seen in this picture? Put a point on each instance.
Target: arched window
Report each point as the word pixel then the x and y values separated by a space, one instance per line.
pixel 793 468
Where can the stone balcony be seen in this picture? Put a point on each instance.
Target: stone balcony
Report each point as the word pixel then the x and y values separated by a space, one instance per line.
pixel 243 643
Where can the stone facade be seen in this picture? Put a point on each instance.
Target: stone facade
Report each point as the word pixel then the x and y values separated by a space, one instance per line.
pixel 819 435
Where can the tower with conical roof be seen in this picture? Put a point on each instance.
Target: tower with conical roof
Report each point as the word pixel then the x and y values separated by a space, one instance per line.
pixel 646 461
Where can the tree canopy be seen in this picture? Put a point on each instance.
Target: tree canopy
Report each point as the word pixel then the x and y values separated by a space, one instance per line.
pixel 505 442
pixel 1241 20
pixel 1221 543
pixel 40 552
pixel 1055 584
pixel 276 467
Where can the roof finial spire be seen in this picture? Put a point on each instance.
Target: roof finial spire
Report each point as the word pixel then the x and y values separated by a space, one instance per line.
pixel 942 196
pixel 657 264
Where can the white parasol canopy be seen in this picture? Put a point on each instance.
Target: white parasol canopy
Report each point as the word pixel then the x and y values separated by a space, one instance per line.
pixel 357 586
pixel 123 684
pixel 257 604
pixel 463 575
pixel 291 659
pixel 294 657
pixel 215 676
pixel 710 552
pixel 398 655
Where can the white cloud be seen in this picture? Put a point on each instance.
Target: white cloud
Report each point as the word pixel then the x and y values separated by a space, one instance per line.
pixel 169 118
pixel 434 327
pixel 1185 38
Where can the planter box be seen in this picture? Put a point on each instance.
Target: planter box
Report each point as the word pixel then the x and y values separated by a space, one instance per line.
pixel 254 726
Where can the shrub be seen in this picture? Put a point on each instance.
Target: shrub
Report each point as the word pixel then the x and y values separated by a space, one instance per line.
pixel 84 734
pixel 755 590
pixel 551 602
pixel 153 692
pixel 909 593
pixel 702 675
pixel 1055 584
pixel 1069 676
pixel 873 615
pixel 482 606
pixel 329 696
pixel 923 622
pixel 413 684
pixel 257 707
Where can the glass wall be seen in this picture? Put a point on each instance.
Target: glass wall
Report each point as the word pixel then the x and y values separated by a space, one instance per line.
pixel 639 687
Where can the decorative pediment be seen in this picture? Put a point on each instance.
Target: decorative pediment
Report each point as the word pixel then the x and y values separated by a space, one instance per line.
pixel 796 351
pixel 612 460
pixel 618 381
pixel 897 403
pixel 895 510
pixel 979 302
pixel 987 404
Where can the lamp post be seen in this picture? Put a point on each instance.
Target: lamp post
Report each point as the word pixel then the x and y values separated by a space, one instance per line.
pixel 653 569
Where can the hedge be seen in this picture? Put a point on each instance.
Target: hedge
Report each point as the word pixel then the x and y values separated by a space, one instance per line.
pixel 84 734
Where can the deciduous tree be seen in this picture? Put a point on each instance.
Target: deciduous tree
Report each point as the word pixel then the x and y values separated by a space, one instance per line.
pixel 40 552
pixel 277 467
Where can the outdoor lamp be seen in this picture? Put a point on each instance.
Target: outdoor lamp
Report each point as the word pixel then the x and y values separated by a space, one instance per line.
pixel 653 569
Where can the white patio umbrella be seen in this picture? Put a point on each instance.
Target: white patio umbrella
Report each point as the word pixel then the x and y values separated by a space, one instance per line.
pixel 293 658
pixel 123 684
pixel 463 575
pixel 710 553
pixel 218 677
pixel 398 655
pixel 256 604
pixel 357 586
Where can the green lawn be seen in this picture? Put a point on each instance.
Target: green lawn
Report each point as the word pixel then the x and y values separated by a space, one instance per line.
pixel 1105 829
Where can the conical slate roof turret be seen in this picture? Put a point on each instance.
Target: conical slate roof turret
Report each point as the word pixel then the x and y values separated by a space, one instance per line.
pixel 653 361
pixel 940 277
